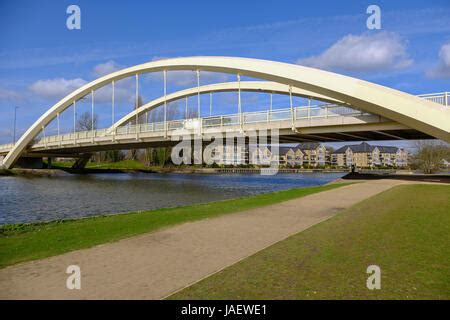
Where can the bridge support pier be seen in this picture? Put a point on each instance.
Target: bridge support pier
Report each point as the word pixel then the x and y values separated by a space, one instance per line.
pixel 29 163
pixel 81 162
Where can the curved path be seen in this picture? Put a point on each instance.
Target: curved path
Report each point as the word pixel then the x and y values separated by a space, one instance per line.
pixel 154 265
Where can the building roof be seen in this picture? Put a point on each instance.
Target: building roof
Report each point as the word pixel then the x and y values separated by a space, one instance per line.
pixel 308 146
pixel 284 150
pixel 387 149
pixel 357 148
pixel 341 149
pixel 281 149
pixel 364 147
pixel 301 146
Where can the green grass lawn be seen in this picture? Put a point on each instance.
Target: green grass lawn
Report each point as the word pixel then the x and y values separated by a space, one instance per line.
pixel 405 231
pixel 123 164
pixel 23 242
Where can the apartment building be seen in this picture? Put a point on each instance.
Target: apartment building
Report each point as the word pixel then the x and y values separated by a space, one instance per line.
pixel 364 155
pixel 304 154
pixel 361 155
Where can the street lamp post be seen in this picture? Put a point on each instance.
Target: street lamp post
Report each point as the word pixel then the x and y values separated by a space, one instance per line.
pixel 15 116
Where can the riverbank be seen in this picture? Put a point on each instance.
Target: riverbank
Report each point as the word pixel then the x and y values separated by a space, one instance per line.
pixel 61 170
pixel 404 231
pixel 24 242
pixel 65 168
pixel 32 172
pixel 136 166
pixel 5 172
pixel 153 265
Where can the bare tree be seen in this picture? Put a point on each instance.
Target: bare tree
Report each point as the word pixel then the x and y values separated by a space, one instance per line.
pixel 85 121
pixel 148 156
pixel 160 156
pixel 157 114
pixel 133 153
pixel 430 155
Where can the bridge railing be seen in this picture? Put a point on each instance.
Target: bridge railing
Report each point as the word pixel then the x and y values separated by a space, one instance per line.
pixel 76 135
pixel 441 98
pixel 302 112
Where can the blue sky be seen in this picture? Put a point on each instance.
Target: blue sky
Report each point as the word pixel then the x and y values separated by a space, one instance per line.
pixel 41 60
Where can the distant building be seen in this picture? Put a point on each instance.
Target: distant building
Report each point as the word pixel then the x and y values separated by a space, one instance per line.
pixel 314 154
pixel 365 155
pixel 304 154
pixel 232 154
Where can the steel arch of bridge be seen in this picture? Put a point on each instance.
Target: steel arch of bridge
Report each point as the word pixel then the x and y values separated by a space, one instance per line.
pixel 414 112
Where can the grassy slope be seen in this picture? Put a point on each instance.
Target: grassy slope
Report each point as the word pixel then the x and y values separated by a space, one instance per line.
pixel 34 241
pixel 405 231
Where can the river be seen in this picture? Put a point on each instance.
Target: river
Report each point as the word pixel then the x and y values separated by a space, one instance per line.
pixel 34 198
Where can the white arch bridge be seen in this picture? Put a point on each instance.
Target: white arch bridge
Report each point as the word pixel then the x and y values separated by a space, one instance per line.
pixel 349 109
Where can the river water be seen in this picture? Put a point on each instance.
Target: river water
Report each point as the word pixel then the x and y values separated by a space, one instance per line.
pixel 33 198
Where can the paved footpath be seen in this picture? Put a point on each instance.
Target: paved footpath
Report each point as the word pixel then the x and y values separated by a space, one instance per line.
pixel 154 265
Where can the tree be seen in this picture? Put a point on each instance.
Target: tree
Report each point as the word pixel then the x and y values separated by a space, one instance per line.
pixel 430 155
pixel 160 156
pixel 133 153
pixel 85 122
pixel 149 156
pixel 109 156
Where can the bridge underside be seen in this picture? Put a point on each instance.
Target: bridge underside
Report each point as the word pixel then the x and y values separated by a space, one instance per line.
pixel 387 131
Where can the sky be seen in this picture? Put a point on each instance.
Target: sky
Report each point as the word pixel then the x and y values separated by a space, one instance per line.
pixel 41 60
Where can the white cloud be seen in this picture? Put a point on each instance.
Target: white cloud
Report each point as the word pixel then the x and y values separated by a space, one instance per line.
pixel 56 88
pixel 444 55
pixel 124 89
pixel 106 68
pixel 360 53
pixel 442 70
pixel 9 95
pixel 60 87
pixel 188 78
